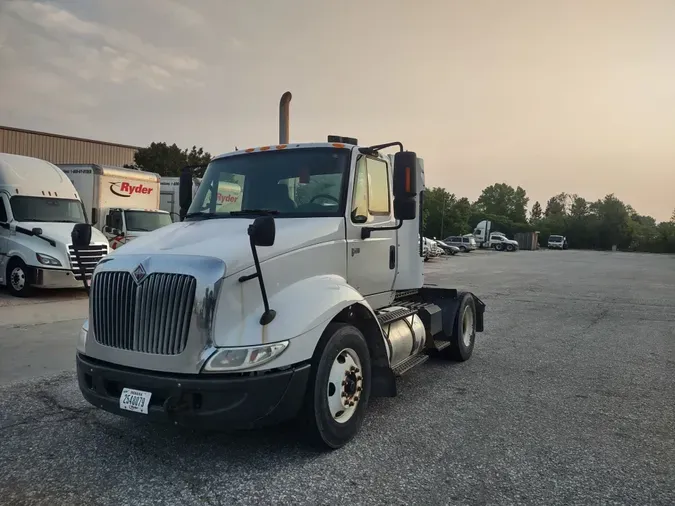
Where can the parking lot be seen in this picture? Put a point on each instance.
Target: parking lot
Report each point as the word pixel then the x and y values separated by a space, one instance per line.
pixel 568 399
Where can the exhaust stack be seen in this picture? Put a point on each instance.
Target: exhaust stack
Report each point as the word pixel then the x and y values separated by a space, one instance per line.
pixel 284 109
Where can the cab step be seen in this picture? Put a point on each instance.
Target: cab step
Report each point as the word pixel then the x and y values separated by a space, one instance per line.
pixel 441 344
pixel 409 363
pixel 391 316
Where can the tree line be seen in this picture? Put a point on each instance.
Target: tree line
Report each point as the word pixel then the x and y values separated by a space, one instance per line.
pixel 598 224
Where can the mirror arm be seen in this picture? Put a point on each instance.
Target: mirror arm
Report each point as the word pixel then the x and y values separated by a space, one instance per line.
pixel 269 314
pixel 366 231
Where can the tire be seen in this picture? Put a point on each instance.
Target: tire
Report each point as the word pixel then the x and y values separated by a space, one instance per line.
pixel 325 429
pixel 464 331
pixel 499 247
pixel 452 252
pixel 18 278
pixel 509 247
pixel 462 249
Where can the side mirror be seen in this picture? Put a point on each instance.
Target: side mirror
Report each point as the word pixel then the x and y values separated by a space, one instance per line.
pixel 405 185
pixel 81 235
pixel 262 231
pixel 185 190
pixel 108 220
pixel 37 231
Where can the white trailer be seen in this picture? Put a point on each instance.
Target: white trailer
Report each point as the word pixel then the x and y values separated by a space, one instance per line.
pixel 302 304
pixel 38 206
pixel 122 203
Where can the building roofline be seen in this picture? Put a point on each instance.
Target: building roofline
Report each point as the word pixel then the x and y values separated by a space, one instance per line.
pixel 82 139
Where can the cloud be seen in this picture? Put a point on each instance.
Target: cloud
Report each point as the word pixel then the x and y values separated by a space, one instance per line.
pixel 93 50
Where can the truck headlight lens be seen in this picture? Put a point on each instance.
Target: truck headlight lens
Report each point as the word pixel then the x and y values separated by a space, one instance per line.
pixel 236 359
pixel 47 260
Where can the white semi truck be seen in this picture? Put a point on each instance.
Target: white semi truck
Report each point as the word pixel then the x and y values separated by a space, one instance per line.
pixel 299 305
pixel 38 206
pixel 122 203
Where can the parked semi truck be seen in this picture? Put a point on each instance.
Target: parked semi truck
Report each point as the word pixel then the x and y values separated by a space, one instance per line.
pixel 122 203
pixel 303 304
pixel 38 206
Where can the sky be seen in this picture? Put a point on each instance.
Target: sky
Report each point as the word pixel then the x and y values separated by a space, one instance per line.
pixel 574 96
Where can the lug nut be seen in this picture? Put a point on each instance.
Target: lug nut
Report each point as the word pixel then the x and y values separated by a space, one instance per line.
pixel 351 403
pixel 359 378
pixel 356 399
pixel 357 370
pixel 358 389
pixel 352 368
pixel 344 383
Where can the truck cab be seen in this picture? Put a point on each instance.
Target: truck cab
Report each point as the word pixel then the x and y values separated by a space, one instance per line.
pixel 124 225
pixel 38 207
pixel 303 302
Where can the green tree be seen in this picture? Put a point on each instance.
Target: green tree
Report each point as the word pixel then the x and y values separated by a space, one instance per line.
pixel 536 213
pixel 501 199
pixel 168 160
pixel 438 204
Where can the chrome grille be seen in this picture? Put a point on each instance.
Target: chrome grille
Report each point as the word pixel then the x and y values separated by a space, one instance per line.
pixel 150 317
pixel 90 256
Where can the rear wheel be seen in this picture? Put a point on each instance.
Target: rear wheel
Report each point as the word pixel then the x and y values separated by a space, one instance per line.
pixel 339 386
pixel 509 247
pixel 464 331
pixel 462 249
pixel 499 247
pixel 18 278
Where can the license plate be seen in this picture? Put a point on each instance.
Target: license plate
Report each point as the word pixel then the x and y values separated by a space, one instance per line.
pixel 135 400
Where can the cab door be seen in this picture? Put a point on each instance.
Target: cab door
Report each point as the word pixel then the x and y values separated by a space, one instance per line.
pixel 371 262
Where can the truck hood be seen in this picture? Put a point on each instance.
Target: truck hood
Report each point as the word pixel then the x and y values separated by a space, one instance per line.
pixel 227 239
pixel 59 232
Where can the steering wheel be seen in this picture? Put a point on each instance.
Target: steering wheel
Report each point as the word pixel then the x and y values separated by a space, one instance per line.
pixel 325 196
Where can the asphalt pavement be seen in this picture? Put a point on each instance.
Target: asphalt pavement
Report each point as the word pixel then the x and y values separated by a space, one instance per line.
pixel 569 398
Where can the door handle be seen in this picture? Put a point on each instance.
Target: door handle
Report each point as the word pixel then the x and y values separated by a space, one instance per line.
pixel 392 256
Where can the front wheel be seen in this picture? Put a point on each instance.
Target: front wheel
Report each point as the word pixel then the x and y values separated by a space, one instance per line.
pixel 18 278
pixel 509 247
pixel 339 386
pixel 499 247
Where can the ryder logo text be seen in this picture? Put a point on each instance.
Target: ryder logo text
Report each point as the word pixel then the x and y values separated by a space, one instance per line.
pixel 124 189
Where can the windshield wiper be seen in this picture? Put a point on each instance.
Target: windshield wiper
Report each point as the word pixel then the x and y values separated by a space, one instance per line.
pixel 202 214
pixel 254 212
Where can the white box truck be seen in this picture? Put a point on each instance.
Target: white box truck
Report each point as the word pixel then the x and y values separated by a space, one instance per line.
pixel 38 206
pixel 122 203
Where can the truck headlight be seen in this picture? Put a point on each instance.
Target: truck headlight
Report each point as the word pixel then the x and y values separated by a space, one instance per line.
pixel 237 359
pixel 47 260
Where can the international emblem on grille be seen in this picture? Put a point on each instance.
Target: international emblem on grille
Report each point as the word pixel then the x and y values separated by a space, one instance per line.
pixel 139 273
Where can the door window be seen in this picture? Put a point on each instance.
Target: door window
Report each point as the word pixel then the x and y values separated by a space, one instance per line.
pixel 115 220
pixel 3 211
pixel 371 195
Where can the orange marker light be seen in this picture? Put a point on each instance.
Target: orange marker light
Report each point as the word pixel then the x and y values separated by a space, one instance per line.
pixel 281 146
pixel 250 150
pixel 338 145
pixel 264 148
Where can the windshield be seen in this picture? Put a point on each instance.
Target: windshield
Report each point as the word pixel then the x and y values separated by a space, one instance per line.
pixel 292 183
pixel 555 238
pixel 146 221
pixel 47 209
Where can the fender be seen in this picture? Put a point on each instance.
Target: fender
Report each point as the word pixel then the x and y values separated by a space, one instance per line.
pixel 303 311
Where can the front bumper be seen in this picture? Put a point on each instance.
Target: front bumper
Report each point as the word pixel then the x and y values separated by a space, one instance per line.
pixel 205 401
pixel 55 278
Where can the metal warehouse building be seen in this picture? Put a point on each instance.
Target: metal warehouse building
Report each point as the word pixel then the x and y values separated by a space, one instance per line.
pixel 62 149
